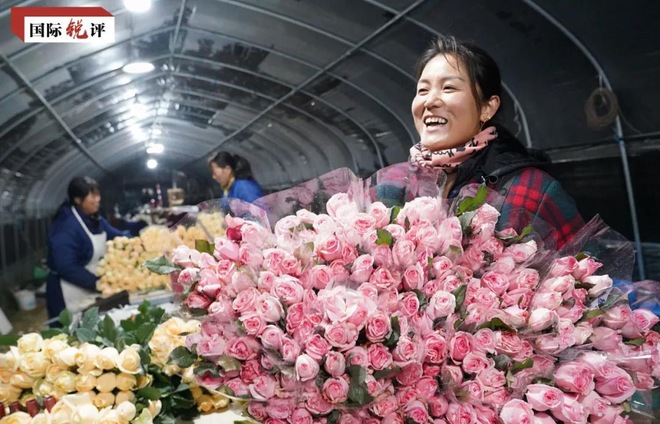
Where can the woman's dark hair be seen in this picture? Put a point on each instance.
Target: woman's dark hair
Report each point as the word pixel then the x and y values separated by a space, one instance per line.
pixel 484 73
pixel 238 164
pixel 80 187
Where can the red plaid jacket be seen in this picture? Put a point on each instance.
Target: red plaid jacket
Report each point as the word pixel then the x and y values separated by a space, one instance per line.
pixel 531 195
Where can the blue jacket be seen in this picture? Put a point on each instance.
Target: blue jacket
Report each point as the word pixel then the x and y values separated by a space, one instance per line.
pixel 247 190
pixel 69 250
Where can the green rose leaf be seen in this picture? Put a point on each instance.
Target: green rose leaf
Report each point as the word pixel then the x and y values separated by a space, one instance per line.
pixel 469 204
pixel 161 265
pixel 384 237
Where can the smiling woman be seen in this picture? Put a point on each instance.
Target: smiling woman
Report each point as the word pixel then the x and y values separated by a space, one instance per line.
pixel 454 108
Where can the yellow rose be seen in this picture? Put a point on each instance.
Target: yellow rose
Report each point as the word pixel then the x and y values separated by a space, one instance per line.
pixel 171 370
pixel 109 416
pixel 52 372
pixel 5 375
pixel 32 342
pixel 66 381
pixel 103 400
pixel 173 326
pixel 126 381
pixel 107 358
pixel 220 401
pixel 53 346
pixel 9 393
pixel 86 358
pixel 34 364
pixel 61 412
pixel 17 418
pixel 42 388
pixel 106 382
pixel 22 380
pixel 126 411
pixel 42 418
pixel 160 347
pixel 85 383
pixel 204 403
pixel 196 391
pixel 10 359
pixel 155 406
pixel 129 360
pixel 192 326
pixel 67 357
pixel 144 381
pixel 122 397
pixel 85 414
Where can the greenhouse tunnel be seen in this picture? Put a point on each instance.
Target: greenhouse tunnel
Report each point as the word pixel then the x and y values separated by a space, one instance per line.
pixel 303 87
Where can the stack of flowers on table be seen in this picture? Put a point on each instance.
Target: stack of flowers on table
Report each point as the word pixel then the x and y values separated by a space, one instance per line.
pixel 367 313
pixel 93 372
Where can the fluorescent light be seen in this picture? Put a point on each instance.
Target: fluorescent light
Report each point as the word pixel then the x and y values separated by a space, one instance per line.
pixel 152 163
pixel 155 148
pixel 137 5
pixel 138 110
pixel 156 131
pixel 138 67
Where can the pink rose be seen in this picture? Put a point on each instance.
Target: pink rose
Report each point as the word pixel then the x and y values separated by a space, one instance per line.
pixel 253 324
pixel 438 406
pixel 611 415
pixel 263 387
pixel 368 291
pixel 571 411
pixel 226 249
pixel 321 276
pixel 335 364
pixel 341 335
pixel 406 351
pixel 543 398
pixel 409 303
pixel 301 416
pixel 250 370
pixel 441 266
pixel 640 322
pixel 237 386
pixel 491 378
pixel 606 339
pixel 427 387
pixel 379 356
pixel 393 418
pixel 382 255
pixel 600 284
pixel 380 213
pixel 306 368
pixel 185 256
pixel 441 305
pixel 405 395
pixel 246 300
pixel 422 208
pixel 616 389
pixel 526 278
pixel 378 327
pixel 474 389
pixel 197 301
pixel 317 405
pixel 416 411
pixel 497 397
pixel 521 252
pixel 317 347
pixel 508 343
pixel 410 374
pixel 242 348
pixel 452 374
pixel 212 345
pixel 413 277
pixel 425 236
pixel 436 348
pixel 254 233
pixel 403 253
pixel 294 316
pixel 585 268
pixel 287 289
pixel 209 284
pixel 484 340
pixel 477 314
pixel 289 350
pixel 269 307
pixel 329 249
pixel 384 406
pixel 476 362
pixel 257 410
pixel 486 415
pixel 483 222
pixel 594 404
pixel 460 345
pixel 279 408
pixel 617 317
pixel 250 255
pixel 496 281
pixel 543 418
pixel 357 356
pixel 575 377
pixel 363 223
pixel 460 413
pixel 542 318
pixel 187 277
pixel 516 411
pixel 221 311
pixel 339 271
pixel 504 264
pixel 563 266
pixel 382 278
pixel 335 390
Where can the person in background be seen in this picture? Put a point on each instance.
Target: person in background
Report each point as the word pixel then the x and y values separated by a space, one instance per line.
pixel 458 95
pixel 234 175
pixel 76 242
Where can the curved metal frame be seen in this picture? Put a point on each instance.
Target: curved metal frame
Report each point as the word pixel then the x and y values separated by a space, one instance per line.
pixel 618 130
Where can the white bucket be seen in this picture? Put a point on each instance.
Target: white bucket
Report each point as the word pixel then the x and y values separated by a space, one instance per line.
pixel 27 300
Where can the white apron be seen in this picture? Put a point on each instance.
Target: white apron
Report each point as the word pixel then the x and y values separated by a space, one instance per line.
pixel 76 297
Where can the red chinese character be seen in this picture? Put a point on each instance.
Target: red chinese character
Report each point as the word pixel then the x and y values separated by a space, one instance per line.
pixel 73 29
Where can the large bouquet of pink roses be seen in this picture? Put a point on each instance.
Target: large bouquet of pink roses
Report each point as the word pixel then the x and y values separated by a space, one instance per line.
pixel 423 313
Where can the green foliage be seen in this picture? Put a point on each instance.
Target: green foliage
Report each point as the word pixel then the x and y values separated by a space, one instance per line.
pixel 384 237
pixel 204 246
pixel 357 392
pixel 469 204
pixel 161 265
pixel 393 338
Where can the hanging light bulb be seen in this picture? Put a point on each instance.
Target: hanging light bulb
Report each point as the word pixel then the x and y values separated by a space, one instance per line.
pixel 152 163
pixel 138 67
pixel 137 5
pixel 155 148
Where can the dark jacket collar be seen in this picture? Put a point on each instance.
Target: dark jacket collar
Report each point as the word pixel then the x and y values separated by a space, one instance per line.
pixel 503 156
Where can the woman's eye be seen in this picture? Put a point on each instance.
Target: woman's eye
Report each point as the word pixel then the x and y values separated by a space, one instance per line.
pixel 450 87
pixel 422 90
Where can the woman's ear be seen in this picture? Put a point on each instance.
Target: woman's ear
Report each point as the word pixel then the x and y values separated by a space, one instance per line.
pixel 489 109
pixel 77 201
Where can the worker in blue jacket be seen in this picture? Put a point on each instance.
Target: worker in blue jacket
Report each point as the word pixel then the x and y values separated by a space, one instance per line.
pixel 234 175
pixel 76 243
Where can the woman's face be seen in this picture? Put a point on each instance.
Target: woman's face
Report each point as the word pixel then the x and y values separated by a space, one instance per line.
pixel 444 109
pixel 221 174
pixel 91 203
